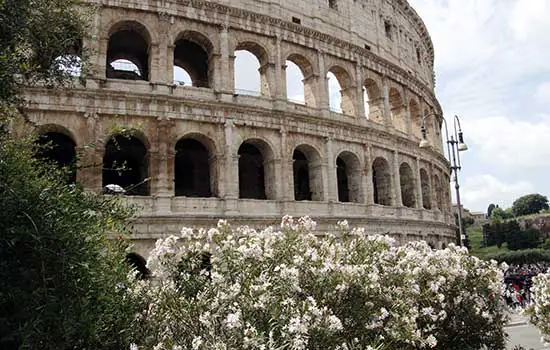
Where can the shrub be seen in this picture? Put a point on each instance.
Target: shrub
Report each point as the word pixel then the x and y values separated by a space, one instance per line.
pixel 520 257
pixel 539 310
pixel 290 289
pixel 60 277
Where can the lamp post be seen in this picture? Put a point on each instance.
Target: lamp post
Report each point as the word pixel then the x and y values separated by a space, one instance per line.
pixel 455 145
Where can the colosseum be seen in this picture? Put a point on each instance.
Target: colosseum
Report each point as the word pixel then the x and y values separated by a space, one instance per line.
pixel 203 149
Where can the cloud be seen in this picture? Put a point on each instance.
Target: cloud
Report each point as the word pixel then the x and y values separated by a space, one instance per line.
pixel 481 190
pixel 530 22
pixel 542 94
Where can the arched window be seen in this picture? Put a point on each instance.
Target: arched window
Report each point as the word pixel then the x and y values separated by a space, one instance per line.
pixel 125 166
pixel 295 88
pixel 192 169
pixel 341 92
pixel 256 172
pixel 308 174
pixel 348 174
pixel 374 101
pixel 250 66
pixel 397 109
pixel 406 177
pixel 381 181
pixel 128 52
pixel 425 184
pixel 300 169
pixel 192 52
pixel 58 148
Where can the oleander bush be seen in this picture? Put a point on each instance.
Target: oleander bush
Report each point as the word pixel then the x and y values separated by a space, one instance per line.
pixel 539 309
pixel 238 288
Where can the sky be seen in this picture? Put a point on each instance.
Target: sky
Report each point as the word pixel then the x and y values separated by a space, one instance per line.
pixel 492 63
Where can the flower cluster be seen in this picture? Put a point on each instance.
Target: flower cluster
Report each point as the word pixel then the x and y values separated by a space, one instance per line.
pixel 241 288
pixel 539 309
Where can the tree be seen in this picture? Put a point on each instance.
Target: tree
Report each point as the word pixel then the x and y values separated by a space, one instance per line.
pixel 530 204
pixel 62 281
pixel 490 209
pixel 499 214
pixel 36 40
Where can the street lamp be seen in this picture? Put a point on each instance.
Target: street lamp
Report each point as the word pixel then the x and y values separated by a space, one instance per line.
pixel 455 145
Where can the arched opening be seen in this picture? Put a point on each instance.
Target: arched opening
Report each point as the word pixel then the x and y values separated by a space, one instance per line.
pixel 295 88
pixel 406 177
pixel 139 264
pixel 438 192
pixel 251 70
pixel 308 174
pixel 192 53
pixel 192 169
pixel 348 177
pixel 256 173
pixel 416 118
pixel 300 169
pixel 300 80
pixel 60 149
pixel 425 184
pixel 341 92
pixel 128 52
pixel 381 181
pixel 374 101
pixel 397 110
pixel 125 165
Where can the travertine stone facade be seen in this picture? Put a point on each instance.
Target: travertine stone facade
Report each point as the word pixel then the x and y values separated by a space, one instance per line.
pixel 205 152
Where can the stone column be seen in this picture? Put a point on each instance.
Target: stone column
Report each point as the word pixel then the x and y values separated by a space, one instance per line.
pixel 231 163
pixel 367 179
pixel 397 180
pixel 280 73
pixel 268 80
pixel 287 176
pixel 408 123
pixel 387 112
pixel 419 196
pixel 225 79
pixel 169 74
pixel 332 185
pixel 155 76
pixel 433 193
pixel 323 99
pixel 360 96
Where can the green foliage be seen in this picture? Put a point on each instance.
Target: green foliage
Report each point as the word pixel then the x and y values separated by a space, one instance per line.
pixel 523 239
pixel 33 33
pixel 490 209
pixel 499 214
pixel 509 232
pixel 530 204
pixel 61 280
pixel 521 257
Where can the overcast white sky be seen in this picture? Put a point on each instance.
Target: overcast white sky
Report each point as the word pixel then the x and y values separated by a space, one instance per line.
pixel 493 70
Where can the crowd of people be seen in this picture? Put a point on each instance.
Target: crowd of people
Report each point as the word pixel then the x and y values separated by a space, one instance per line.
pixel 518 281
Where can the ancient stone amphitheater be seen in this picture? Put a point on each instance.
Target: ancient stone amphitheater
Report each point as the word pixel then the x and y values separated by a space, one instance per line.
pixel 193 153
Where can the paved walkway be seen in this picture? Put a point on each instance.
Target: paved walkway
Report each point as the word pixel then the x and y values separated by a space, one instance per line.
pixel 524 334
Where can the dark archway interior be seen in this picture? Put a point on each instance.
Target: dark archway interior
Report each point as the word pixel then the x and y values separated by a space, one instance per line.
pixel 425 184
pixel 342 178
pixel 139 264
pixel 300 166
pixel 407 186
pixel 192 169
pixel 251 172
pixel 128 45
pixel 125 164
pixel 59 149
pixel 194 60
pixel 381 181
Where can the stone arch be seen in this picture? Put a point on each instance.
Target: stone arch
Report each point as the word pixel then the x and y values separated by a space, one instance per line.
pixel 128 51
pixel 416 118
pixel 346 93
pixel 126 164
pixel 56 145
pixel 259 70
pixel 308 79
pixel 307 171
pixel 438 192
pixel 195 171
pixel 397 109
pixel 407 182
pixel 382 182
pixel 256 170
pixel 348 177
pixel 374 101
pixel 193 53
pixel 426 190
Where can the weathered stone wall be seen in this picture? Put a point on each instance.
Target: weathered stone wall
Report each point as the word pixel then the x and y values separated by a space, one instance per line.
pixel 399 84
